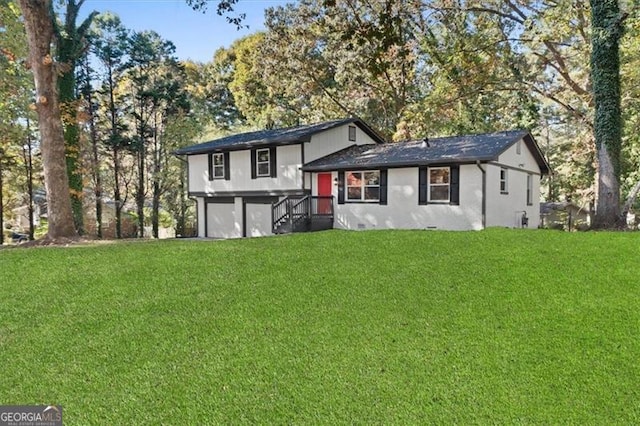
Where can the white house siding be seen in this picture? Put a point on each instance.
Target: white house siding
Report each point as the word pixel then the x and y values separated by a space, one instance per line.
pixel 333 140
pixel 507 209
pixel 198 172
pixel 258 220
pixel 403 211
pixel 200 215
pixel 289 175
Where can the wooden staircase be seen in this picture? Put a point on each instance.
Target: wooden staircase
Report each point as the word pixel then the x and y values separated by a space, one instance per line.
pixel 302 214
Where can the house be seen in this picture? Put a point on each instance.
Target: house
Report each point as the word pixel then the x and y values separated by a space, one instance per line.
pixel 564 215
pixel 20 215
pixel 341 174
pixel 236 179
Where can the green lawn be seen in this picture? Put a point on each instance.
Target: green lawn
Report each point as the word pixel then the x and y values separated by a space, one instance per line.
pixel 385 327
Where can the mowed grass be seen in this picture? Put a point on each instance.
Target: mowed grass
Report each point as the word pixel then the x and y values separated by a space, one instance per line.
pixel 383 327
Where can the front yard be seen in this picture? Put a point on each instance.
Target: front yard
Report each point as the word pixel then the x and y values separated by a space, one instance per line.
pixel 498 326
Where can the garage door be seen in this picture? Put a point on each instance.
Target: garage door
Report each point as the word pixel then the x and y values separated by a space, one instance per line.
pixel 258 219
pixel 221 221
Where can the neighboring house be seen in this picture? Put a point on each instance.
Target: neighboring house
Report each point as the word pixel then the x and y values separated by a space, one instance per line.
pixel 20 215
pixel 564 215
pixel 341 174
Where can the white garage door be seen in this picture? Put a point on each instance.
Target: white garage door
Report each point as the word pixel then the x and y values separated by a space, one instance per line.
pixel 221 221
pixel 258 220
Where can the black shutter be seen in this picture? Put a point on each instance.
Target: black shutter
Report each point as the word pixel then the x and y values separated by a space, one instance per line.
pixel 272 162
pixel 340 187
pixel 227 173
pixel 383 187
pixel 423 185
pixel 210 159
pixel 253 164
pixel 454 185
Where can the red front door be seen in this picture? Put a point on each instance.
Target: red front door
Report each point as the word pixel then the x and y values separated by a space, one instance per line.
pixel 324 190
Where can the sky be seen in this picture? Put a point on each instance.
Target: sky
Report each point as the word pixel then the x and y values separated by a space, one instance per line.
pixel 196 35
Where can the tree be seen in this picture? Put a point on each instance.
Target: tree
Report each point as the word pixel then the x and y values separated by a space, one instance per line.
pixel 109 44
pixel 27 153
pixel 71 46
pixel 149 57
pixel 85 79
pixel 38 21
pixel 12 93
pixel 605 73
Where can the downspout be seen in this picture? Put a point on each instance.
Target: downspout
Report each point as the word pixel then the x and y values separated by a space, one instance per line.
pixel 484 195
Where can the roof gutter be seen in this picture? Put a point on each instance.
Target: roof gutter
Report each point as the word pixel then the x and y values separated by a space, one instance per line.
pixel 484 195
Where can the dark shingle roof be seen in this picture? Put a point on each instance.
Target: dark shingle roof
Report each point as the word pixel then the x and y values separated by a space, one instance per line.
pixel 287 136
pixel 455 149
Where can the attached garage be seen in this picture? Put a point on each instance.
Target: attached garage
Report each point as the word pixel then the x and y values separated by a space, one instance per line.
pixel 221 218
pixel 237 217
pixel 258 216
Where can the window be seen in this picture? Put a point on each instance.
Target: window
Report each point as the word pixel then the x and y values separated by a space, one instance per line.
pixel 363 186
pixel 263 162
pixel 352 133
pixel 519 147
pixel 504 189
pixel 217 166
pixel 529 190
pixel 439 184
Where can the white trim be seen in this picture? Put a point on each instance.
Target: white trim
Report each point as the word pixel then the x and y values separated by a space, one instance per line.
pixel 352 133
pixel 504 189
pixel 447 184
pixel 258 162
pixel 215 167
pixel 363 186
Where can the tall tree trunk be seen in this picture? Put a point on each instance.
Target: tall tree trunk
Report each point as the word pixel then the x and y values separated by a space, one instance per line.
pixel 71 47
pixel 68 102
pixel 115 145
pixel 606 25
pixel 39 28
pixel 140 193
pixel 28 164
pixel 66 55
pixel 155 214
pixel 97 176
pixel 140 189
pixel 142 153
pixel 155 208
pixel 117 197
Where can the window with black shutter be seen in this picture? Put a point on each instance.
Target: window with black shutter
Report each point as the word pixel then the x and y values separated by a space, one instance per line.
pixel 263 162
pixel 383 187
pixel 217 166
pixel 439 185
pixel 454 190
pixel 340 187
pixel 227 170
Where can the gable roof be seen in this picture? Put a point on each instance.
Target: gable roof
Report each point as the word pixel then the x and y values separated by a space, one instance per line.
pixel 273 137
pixel 454 149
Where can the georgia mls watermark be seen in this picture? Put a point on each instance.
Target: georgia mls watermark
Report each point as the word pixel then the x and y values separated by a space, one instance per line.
pixel 30 415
